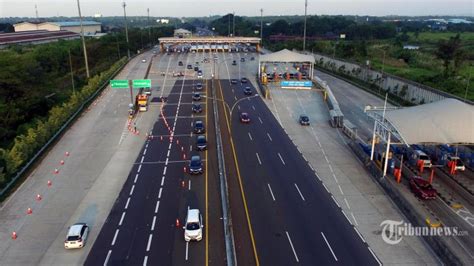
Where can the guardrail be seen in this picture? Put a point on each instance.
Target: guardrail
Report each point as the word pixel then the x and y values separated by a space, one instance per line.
pixel 66 124
pixel 337 117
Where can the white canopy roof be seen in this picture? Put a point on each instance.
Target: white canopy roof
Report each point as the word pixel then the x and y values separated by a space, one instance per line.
pixel 448 121
pixel 286 56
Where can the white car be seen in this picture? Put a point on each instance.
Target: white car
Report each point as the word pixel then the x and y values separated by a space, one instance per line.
pixel 456 160
pixel 193 226
pixel 76 236
pixel 143 60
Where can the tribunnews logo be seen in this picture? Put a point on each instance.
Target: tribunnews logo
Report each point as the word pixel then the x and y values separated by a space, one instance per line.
pixel 394 231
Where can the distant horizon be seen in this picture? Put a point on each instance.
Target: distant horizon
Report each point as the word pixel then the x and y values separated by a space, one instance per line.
pixel 250 8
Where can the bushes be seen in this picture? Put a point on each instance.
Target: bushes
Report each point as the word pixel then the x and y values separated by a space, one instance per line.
pixel 38 134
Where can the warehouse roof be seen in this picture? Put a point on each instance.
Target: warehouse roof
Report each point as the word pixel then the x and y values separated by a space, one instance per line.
pixel 74 23
pixel 448 121
pixel 286 56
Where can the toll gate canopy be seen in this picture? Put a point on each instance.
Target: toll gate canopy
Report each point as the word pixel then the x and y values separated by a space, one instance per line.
pixel 286 56
pixel 448 121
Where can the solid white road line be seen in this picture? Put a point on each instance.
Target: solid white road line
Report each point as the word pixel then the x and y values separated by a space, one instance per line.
pixel 153 223
pixel 121 218
pixel 334 199
pixel 347 203
pixel 271 192
pixel 340 189
pixel 131 190
pixel 357 231
pixel 144 152
pixel 373 254
pixel 299 191
pixel 346 217
pixel 329 246
pixel 279 155
pixel 250 136
pixel 145 261
pixel 149 242
pixel 292 247
pixel 159 193
pixel 353 217
pixel 258 158
pixel 108 257
pixel 157 206
pixel 126 204
pixel 261 122
pixel 326 187
pixel 186 255
pixel 115 236
pixel 269 137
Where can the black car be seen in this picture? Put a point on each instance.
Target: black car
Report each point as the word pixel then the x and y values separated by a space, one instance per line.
pixel 199 127
pixel 304 120
pixel 195 166
pixel 196 96
pixel 234 63
pixel 197 108
pixel 233 81
pixel 199 86
pixel 201 143
pixel 189 67
pixel 248 91
pixel 196 68
pixel 180 63
pixel 244 80
pixel 252 58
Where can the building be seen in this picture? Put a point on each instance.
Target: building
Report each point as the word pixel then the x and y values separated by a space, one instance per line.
pixel 182 33
pixel 163 21
pixel 411 47
pixel 35 37
pixel 90 27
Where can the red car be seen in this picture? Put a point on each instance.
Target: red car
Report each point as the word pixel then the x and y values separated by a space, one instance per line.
pixel 244 118
pixel 422 188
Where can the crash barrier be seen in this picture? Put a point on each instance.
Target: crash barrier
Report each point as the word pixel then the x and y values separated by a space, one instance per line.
pixel 349 129
pixel 335 113
pixel 439 245
pixel 60 131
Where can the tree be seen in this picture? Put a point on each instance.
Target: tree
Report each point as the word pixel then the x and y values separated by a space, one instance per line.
pixel 449 50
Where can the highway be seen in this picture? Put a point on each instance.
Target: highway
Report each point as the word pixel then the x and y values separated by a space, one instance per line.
pixel 293 216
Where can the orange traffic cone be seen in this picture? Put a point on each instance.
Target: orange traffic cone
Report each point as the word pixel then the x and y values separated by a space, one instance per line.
pixel 14 235
pixel 182 183
pixel 184 168
pixel 49 183
pixel 56 171
pixel 29 211
pixel 62 162
pixel 66 153
pixel 38 197
pixel 177 222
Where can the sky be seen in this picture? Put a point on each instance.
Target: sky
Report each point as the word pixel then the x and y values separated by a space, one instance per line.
pixel 199 8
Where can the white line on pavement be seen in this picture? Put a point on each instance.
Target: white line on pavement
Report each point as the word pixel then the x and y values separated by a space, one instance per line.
pixel 136 177
pixel 340 189
pixel 186 256
pixel 190 147
pixel 363 240
pixel 153 223
pixel 258 158
pixel 145 261
pixel 238 107
pixel 159 193
pixel 373 254
pixel 126 204
pixel 250 136
pixel 269 137
pixel 353 217
pixel 168 154
pixel 261 122
pixel 337 203
pixel 299 191
pixel 327 243
pixel 271 192
pixel 157 206
pixel 292 247
pixel 121 218
pixel 143 158
pixel 139 168
pixel 281 158
pixel 131 190
pixel 347 203
pixel 144 152
pixel 166 162
pixel 162 180
pixel 253 107
pixel 189 184
pixel 108 257
pixel 149 242
pixel 164 170
pixel 115 236
pixel 346 217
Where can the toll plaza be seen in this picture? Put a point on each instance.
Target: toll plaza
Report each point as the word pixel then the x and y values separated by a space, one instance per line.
pixel 209 44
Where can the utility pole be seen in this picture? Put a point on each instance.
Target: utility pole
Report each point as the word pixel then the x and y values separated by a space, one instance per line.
pixel 37 19
pixel 233 24
pixel 261 25
pixel 72 74
pixel 304 31
pixel 228 30
pixel 83 40
pixel 149 28
pixel 126 28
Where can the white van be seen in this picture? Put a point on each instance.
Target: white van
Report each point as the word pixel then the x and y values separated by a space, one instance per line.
pixel 76 236
pixel 193 226
pixel 420 155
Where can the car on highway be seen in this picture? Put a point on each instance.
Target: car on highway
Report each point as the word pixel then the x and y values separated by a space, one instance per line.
pixel 189 67
pixel 234 63
pixel 199 74
pixel 196 96
pixel 459 165
pixel 143 60
pixel 201 143
pixel 147 91
pixel 76 236
pixel 199 86
pixel 420 156
pixel 252 58
pixel 244 118
pixel 196 68
pixel 248 91
pixel 195 165
pixel 199 127
pixel 193 226
pixel 304 120
pixel 422 188
pixel 180 63
pixel 233 81
pixel 197 108
pixel 244 80
pixel 242 59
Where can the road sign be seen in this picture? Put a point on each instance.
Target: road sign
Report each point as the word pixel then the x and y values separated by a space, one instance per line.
pixel 119 84
pixel 296 83
pixel 141 83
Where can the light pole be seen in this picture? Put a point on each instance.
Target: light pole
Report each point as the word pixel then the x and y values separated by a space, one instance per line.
pixel 126 28
pixel 83 40
pixel 233 24
pixel 149 28
pixel 304 31
pixel 261 25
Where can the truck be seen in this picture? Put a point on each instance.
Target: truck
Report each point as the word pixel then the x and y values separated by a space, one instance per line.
pixel 142 102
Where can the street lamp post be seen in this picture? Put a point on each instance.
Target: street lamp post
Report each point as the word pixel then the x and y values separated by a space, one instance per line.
pixel 233 24
pixel 83 40
pixel 261 25
pixel 149 28
pixel 304 31
pixel 126 28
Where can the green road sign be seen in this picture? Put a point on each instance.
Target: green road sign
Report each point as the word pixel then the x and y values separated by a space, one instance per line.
pixel 141 83
pixel 119 84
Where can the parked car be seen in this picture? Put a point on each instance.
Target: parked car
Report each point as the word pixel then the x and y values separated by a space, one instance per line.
pixel 304 120
pixel 199 86
pixel 195 165
pixel 233 81
pixel 244 80
pixel 199 127
pixel 199 74
pixel 422 188
pixel 244 118
pixel 457 161
pixel 248 91
pixel 197 108
pixel 189 67
pixel 196 68
pixel 201 143
pixel 143 60
pixel 76 236
pixel 180 63
pixel 196 96
pixel 234 63
pixel 193 226
pixel 242 59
